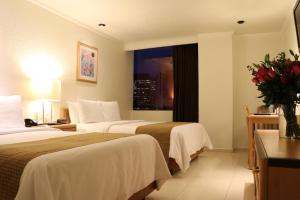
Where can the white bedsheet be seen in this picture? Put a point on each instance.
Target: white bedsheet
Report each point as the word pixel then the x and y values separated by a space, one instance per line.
pixel 110 170
pixel 185 140
pixel 105 126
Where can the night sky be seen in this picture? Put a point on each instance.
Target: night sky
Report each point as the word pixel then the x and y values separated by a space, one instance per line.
pixel 154 64
pixel 145 54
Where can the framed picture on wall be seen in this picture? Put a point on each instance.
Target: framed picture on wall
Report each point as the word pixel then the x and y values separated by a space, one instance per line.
pixel 87 63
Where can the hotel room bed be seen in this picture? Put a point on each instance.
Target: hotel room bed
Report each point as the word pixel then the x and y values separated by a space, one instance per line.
pixel 123 168
pixel 186 140
pixel 179 141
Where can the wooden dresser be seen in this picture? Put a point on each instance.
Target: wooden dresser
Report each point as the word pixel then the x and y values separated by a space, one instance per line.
pixel 277 171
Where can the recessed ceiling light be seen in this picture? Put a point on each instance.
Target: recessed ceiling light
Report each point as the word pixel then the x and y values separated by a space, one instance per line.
pixel 240 22
pixel 103 25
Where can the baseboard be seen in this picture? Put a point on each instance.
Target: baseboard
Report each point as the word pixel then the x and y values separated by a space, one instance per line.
pixel 240 149
pixel 220 150
pixel 228 150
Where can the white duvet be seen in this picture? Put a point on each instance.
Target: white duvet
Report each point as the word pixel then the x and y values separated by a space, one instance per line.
pixel 112 170
pixel 185 140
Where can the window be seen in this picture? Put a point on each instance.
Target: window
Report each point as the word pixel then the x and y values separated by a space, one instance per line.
pixel 153 79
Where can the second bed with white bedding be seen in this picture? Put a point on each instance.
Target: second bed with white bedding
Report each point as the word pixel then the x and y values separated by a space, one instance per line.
pixel 185 140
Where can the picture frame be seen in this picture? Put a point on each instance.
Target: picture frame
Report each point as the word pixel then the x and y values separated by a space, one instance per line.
pixel 87 63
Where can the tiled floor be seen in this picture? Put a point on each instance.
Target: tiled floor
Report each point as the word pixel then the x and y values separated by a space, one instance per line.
pixel 213 176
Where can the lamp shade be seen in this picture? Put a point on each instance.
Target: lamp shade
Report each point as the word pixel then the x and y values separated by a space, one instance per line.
pixel 46 90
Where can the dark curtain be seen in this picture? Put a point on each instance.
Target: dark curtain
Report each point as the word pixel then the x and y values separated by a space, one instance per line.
pixel 185 69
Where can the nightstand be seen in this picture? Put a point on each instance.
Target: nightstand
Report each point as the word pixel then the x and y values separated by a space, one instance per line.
pixel 64 127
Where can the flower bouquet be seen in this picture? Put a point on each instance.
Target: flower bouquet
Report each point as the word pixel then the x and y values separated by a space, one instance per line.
pixel 278 80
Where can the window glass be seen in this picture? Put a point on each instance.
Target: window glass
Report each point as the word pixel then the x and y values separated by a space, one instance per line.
pixel 153 79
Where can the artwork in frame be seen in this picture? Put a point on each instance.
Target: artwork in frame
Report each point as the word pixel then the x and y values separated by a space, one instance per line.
pixel 87 63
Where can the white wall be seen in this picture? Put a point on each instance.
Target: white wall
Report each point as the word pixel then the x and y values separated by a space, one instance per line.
pixel 248 49
pixel 26 29
pixel 289 35
pixel 216 87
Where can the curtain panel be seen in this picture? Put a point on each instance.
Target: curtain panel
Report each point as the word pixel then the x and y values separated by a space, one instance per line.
pixel 185 69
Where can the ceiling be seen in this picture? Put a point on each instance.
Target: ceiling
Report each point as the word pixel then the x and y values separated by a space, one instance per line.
pixel 135 20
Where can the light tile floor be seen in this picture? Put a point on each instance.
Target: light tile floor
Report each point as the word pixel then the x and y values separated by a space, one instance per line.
pixel 213 176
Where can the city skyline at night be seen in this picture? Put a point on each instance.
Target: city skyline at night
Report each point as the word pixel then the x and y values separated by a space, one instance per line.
pixel 153 79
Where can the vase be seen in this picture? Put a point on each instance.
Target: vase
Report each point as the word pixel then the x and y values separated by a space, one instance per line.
pixel 292 129
pixel 282 125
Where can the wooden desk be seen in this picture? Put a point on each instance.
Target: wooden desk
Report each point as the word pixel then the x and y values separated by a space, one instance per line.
pixel 252 120
pixel 277 171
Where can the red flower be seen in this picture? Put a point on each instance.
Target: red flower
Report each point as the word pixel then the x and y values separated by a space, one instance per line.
pixel 295 68
pixel 278 80
pixel 283 79
pixel 255 80
pixel 261 74
pixel 271 73
pixel 287 71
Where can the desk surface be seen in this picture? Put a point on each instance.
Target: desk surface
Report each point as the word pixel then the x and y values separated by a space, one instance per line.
pixel 279 151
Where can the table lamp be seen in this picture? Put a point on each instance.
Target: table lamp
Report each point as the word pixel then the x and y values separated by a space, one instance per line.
pixel 46 92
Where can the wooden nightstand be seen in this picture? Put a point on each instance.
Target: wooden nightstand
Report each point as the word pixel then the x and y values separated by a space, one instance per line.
pixel 64 127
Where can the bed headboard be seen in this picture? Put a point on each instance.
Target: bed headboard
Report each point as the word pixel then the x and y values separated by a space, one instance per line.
pixel 64 114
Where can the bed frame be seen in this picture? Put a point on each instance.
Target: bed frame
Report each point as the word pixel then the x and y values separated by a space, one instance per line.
pixel 140 195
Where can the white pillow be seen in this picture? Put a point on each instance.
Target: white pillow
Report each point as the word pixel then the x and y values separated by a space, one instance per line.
pixel 90 111
pixel 111 110
pixel 73 112
pixel 11 112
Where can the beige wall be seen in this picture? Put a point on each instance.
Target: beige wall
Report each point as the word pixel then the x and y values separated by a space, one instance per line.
pixel 224 82
pixel 289 36
pixel 225 85
pixel 216 87
pixel 152 115
pixel 26 29
pixel 161 42
pixel 248 49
